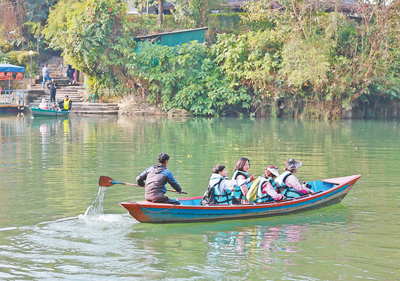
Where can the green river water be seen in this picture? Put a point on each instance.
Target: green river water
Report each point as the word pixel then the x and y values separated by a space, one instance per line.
pixel 49 172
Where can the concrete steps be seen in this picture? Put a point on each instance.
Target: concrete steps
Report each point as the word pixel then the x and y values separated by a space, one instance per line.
pixel 80 106
pixel 79 102
pixel 56 67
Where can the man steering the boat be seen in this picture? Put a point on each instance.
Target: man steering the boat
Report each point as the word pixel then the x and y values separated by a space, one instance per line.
pixel 156 177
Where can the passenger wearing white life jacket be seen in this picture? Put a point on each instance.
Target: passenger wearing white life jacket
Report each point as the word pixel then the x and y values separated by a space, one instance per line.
pixel 43 104
pixel 241 173
pixel 267 188
pixel 288 179
pixel 223 186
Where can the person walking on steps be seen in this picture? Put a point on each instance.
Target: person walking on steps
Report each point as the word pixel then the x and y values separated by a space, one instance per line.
pixel 46 74
pixel 70 74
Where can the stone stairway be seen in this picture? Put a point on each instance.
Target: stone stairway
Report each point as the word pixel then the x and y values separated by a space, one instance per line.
pixel 56 67
pixel 80 104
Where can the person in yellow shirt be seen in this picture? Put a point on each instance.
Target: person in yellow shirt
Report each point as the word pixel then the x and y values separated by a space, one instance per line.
pixel 66 104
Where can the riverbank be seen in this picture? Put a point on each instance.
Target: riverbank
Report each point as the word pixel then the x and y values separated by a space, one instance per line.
pixel 135 106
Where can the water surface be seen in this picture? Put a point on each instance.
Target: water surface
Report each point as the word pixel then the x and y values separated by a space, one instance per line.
pixel 49 172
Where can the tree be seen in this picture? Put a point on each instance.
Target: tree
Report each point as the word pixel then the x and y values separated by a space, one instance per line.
pixel 86 32
pixel 160 11
pixel 195 13
pixel 12 18
pixel 38 10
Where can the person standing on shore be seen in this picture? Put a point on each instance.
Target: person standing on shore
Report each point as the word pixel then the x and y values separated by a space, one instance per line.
pixel 52 85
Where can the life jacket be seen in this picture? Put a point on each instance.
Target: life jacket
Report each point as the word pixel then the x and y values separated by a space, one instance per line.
pixel 287 191
pixel 261 197
pixel 280 180
pixel 43 105
pixel 237 192
pixel 66 104
pixel 220 198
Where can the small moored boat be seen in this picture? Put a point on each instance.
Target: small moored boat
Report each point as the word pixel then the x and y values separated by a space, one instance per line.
pixel 326 192
pixel 38 112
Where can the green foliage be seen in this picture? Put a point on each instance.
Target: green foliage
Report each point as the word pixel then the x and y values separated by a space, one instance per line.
pixel 230 23
pixel 5 47
pixel 3 57
pixel 147 24
pixel 250 59
pixel 316 62
pixel 195 13
pixel 38 10
pixel 185 77
pixel 305 63
pixel 93 38
pixel 21 58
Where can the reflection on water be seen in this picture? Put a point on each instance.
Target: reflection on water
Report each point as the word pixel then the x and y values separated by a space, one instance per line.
pixel 49 171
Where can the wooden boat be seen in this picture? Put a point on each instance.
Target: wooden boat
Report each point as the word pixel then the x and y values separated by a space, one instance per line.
pixel 326 192
pixel 38 112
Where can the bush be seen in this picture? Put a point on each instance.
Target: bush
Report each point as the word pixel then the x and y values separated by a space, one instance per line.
pixel 185 77
pixel 22 58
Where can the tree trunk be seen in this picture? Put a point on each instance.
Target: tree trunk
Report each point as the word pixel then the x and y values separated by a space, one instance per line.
pixel 160 12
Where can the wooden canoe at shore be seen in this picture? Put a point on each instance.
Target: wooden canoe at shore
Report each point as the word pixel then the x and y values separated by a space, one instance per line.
pixel 38 112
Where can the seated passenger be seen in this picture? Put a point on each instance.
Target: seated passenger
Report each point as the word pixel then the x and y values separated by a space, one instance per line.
pixel 55 107
pixel 43 104
pixel 65 104
pixel 222 185
pixel 288 181
pixel 267 188
pixel 241 173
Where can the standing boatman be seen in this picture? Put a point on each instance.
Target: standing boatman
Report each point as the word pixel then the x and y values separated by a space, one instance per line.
pixel 53 86
pixel 156 177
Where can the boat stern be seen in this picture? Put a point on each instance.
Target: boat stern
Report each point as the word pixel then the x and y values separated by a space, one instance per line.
pixel 135 211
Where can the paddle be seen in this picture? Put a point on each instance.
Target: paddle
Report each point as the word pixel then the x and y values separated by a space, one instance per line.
pixel 107 181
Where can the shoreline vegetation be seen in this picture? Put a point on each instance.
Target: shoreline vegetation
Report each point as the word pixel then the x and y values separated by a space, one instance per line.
pixel 297 59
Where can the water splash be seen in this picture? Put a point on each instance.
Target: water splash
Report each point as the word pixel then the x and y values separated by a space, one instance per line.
pixel 96 209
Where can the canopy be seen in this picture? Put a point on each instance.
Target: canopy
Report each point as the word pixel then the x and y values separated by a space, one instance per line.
pixel 6 67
